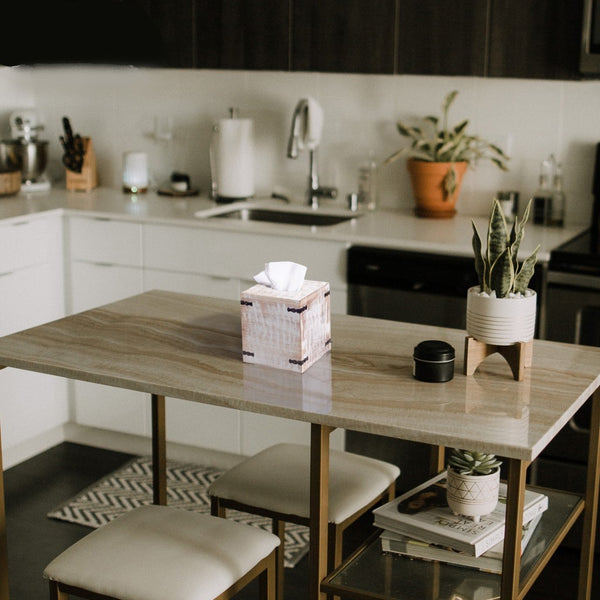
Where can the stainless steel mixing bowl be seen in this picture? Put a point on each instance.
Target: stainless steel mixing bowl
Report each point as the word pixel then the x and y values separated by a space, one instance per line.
pixel 28 157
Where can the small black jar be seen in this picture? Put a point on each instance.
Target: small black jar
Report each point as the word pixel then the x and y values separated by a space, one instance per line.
pixel 433 361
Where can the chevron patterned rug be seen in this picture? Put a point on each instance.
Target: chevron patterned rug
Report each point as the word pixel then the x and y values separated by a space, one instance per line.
pixel 131 486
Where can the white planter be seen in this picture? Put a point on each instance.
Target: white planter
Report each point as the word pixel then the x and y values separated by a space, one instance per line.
pixel 472 495
pixel 500 321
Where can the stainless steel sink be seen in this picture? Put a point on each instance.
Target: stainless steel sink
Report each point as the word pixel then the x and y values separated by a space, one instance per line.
pixel 283 216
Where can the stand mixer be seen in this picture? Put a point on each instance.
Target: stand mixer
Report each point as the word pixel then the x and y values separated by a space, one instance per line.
pixel 25 151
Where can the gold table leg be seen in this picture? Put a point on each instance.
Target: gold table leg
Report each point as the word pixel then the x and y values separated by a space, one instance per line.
pixel 3 547
pixel 437 460
pixel 319 508
pixel 590 517
pixel 159 450
pixel 511 564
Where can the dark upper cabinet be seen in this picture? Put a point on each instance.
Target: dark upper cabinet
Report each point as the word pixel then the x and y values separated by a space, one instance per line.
pixel 344 36
pixel 96 31
pixel 442 38
pixel 175 30
pixel 535 39
pixel 242 34
pixel 496 38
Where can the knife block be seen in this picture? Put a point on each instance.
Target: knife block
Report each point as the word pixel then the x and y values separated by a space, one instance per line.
pixel 88 178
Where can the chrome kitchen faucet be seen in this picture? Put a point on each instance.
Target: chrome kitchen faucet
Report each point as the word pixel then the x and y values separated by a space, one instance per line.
pixel 298 141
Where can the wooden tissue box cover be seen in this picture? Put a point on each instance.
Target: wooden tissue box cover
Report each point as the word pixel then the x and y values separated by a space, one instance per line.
pixel 286 330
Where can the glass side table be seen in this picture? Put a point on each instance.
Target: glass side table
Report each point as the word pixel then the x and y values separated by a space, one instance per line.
pixel 371 574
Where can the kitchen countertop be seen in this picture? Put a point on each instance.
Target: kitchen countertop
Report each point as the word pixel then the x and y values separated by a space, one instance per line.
pixel 381 228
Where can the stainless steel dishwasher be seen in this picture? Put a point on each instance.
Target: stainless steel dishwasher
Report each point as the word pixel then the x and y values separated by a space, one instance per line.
pixel 415 287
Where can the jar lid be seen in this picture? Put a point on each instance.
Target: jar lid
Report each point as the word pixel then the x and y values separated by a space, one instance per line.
pixel 434 350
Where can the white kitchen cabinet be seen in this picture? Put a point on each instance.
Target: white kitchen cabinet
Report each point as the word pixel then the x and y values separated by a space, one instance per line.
pixel 94 284
pixel 105 261
pixel 211 427
pixel 192 283
pixel 221 264
pixel 110 241
pixel 232 255
pixel 31 293
pixel 105 266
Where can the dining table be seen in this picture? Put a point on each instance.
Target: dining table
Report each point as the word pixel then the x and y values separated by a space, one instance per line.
pixel 186 346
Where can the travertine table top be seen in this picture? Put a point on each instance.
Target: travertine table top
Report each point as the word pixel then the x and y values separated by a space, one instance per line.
pixel 189 347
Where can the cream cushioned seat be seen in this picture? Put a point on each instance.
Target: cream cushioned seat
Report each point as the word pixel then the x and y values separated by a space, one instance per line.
pixel 276 483
pixel 157 552
pixel 278 479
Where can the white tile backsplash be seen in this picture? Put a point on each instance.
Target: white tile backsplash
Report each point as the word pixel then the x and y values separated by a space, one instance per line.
pixel 117 106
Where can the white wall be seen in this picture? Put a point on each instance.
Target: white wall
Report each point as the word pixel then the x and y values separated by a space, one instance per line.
pixel 116 107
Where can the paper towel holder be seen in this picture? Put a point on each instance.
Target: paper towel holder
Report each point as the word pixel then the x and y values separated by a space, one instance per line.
pixel 231 155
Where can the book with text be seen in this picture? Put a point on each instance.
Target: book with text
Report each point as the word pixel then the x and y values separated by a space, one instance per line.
pixel 490 561
pixel 423 514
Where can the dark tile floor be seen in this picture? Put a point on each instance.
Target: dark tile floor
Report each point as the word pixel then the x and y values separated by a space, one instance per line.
pixel 39 484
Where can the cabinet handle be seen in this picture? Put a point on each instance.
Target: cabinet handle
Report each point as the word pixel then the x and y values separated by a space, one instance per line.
pixel 220 278
pixel 6 273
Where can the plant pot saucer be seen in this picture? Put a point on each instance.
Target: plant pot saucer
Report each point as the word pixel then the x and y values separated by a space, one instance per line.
pixel 435 214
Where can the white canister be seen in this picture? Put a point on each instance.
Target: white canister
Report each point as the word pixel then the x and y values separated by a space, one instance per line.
pixel 135 172
pixel 232 159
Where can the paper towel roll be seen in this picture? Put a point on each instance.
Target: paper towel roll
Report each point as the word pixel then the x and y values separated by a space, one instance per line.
pixel 232 158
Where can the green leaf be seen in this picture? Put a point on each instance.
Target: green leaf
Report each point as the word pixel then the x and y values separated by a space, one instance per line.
pixel 497 234
pixel 448 100
pixel 450 182
pixel 525 273
pixel 479 265
pixel 461 127
pixel 502 274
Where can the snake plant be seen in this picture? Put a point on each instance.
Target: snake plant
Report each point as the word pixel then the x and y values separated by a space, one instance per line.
pixel 467 462
pixel 498 269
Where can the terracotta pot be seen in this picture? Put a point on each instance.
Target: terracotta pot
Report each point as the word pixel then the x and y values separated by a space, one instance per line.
pixel 427 179
pixel 500 321
pixel 472 495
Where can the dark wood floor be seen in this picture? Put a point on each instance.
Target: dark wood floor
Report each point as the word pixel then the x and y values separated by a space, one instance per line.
pixel 39 484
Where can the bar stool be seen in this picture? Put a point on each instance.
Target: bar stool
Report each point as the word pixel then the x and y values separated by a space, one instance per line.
pixel 276 483
pixel 157 552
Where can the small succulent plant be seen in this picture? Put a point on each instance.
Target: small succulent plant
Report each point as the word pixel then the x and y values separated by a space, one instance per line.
pixel 467 462
pixel 498 269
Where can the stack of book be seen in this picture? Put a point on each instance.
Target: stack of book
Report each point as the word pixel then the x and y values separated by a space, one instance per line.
pixel 419 524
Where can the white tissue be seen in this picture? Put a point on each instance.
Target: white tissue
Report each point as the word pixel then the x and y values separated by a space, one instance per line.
pixel 283 276
pixel 313 126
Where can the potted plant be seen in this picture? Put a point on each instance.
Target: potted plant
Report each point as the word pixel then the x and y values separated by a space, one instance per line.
pixel 473 481
pixel 438 158
pixel 501 310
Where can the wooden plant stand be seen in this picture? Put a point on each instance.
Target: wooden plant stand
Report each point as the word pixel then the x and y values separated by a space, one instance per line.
pixel 517 355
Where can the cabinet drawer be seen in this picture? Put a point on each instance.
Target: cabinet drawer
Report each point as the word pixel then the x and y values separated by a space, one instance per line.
pixel 96 284
pixel 29 297
pixel 105 240
pixel 192 283
pixel 241 255
pixel 23 243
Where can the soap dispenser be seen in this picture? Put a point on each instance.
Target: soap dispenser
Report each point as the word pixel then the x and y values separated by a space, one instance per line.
pixel 367 183
pixel 557 206
pixel 542 198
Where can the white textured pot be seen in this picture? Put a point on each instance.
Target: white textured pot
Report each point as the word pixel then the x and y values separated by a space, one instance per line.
pixel 501 321
pixel 472 495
